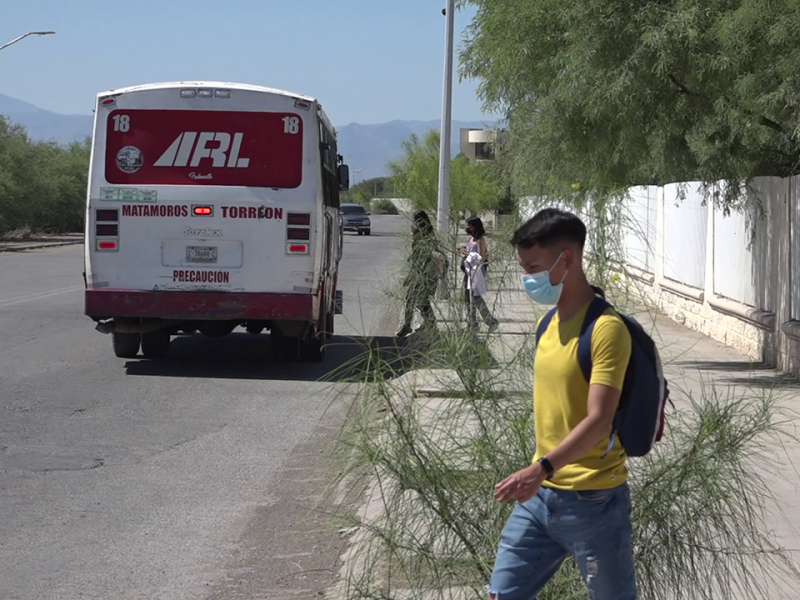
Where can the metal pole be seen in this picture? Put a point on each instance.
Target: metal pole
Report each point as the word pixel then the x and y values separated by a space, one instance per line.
pixel 443 209
pixel 24 35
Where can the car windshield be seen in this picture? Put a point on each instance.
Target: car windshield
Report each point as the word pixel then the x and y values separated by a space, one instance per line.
pixel 353 210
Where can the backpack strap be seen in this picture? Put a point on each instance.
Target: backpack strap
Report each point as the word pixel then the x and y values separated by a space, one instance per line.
pixel 596 308
pixel 545 323
pixel 599 291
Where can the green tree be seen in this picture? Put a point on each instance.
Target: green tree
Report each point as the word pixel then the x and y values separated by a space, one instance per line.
pixel 613 94
pixel 42 184
pixel 364 191
pixel 473 186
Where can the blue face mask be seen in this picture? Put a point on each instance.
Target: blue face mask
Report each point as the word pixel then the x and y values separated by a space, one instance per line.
pixel 539 288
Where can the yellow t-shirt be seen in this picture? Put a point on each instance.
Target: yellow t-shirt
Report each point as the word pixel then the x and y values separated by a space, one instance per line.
pixel 561 394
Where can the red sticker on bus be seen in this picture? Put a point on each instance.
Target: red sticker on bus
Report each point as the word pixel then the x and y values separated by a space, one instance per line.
pixel 194 147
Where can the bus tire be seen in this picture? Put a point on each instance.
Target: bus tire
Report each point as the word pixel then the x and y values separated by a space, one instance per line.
pixel 329 325
pixel 314 348
pixel 283 347
pixel 126 345
pixel 155 344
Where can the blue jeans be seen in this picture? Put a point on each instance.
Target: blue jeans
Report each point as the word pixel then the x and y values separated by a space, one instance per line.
pixel 593 526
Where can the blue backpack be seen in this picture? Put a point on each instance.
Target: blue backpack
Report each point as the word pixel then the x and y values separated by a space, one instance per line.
pixel 639 420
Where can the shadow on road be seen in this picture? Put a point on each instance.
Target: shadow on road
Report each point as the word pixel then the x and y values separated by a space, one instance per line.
pixel 247 356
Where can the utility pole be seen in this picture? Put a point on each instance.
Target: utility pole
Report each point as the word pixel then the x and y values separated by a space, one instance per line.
pixel 24 35
pixel 443 208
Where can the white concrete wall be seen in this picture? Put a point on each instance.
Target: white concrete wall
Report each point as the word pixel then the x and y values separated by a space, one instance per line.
pixel 794 262
pixel 707 271
pixel 711 274
pixel 685 226
pixel 639 227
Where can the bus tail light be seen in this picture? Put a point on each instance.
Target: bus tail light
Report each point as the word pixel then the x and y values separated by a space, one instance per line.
pixel 106 215
pixel 106 225
pixel 298 219
pixel 298 227
pixel 295 233
pixel 106 229
pixel 203 211
pixel 107 245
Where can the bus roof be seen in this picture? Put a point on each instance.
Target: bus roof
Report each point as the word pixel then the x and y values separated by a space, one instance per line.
pixel 217 84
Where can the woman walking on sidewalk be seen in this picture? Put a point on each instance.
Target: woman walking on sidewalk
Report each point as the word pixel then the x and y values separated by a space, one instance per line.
pixel 474 267
pixel 420 283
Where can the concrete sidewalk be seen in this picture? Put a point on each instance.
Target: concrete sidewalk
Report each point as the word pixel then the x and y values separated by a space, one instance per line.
pixel 692 362
pixel 39 242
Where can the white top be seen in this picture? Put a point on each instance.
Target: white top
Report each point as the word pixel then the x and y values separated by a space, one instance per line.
pixel 203 84
pixel 229 85
pixel 476 282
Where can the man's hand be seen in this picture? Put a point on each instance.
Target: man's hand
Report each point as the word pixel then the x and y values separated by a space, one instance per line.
pixel 522 485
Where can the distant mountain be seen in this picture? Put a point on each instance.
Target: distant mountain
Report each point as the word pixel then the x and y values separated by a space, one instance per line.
pixel 367 147
pixel 46 125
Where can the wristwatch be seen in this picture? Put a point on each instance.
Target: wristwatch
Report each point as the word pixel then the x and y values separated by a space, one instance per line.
pixel 547 465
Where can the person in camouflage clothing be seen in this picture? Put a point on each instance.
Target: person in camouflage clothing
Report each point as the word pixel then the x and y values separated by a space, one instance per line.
pixel 422 278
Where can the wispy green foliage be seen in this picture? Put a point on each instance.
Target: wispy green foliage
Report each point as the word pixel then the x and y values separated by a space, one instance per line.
pixel 364 191
pixel 473 186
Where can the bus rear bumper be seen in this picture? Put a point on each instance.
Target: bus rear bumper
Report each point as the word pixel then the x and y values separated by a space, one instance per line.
pixel 194 306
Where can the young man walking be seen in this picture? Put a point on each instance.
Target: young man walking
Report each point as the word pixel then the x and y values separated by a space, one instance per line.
pixel 573 499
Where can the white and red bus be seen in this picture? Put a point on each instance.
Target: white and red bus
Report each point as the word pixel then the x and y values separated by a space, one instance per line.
pixel 212 206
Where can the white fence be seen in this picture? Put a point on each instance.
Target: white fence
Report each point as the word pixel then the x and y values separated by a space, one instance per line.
pixel 730 277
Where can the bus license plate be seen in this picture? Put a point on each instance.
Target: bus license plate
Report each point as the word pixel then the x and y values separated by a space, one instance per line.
pixel 201 254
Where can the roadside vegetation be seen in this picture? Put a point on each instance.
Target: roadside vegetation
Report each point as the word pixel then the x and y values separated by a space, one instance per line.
pixel 440 419
pixel 384 206
pixel 366 190
pixel 474 187
pixel 42 184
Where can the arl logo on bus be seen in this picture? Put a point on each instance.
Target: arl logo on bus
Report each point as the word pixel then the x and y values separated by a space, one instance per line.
pixel 179 152
pixel 152 147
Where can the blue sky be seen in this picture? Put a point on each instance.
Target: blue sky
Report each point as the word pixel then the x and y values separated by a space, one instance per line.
pixel 368 61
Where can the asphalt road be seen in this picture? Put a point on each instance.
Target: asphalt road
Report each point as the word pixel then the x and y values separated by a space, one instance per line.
pixel 198 477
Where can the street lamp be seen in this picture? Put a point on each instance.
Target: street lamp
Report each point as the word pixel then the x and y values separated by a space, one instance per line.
pixel 22 37
pixel 356 172
pixel 443 208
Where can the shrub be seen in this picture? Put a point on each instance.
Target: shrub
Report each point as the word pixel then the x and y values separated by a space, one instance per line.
pixel 385 206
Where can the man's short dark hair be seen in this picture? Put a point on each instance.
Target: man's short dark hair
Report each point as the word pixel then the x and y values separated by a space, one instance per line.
pixel 548 227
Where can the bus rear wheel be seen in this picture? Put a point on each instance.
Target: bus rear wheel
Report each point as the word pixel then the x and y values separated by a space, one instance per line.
pixel 126 345
pixel 155 344
pixel 284 347
pixel 313 348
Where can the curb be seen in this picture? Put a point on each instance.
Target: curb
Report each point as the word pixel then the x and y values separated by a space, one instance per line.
pixel 40 246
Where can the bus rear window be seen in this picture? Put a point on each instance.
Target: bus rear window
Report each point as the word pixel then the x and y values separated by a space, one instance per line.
pixel 193 147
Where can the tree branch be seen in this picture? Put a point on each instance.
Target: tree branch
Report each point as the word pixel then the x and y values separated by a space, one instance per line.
pixel 762 120
pixel 682 88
